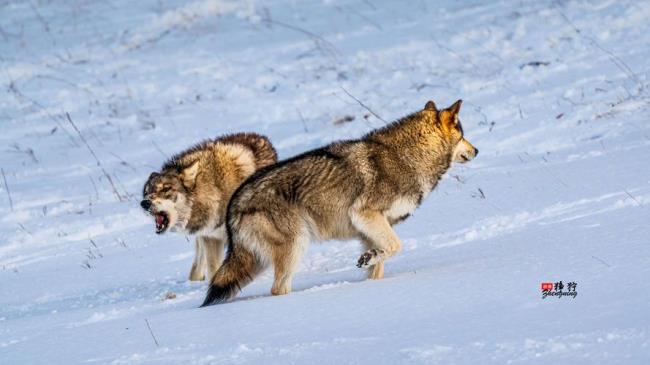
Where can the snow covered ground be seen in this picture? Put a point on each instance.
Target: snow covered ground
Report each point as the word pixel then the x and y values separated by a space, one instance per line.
pixel 557 98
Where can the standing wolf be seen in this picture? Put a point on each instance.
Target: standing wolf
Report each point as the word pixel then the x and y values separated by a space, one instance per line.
pixel 191 192
pixel 350 189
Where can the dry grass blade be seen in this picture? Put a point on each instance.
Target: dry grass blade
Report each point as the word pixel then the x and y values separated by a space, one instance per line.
pixel 92 152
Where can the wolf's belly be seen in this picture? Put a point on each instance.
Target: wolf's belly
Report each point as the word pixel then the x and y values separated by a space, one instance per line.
pixel 335 227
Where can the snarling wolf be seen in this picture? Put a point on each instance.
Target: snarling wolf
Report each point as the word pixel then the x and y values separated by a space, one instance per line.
pixel 348 189
pixel 190 193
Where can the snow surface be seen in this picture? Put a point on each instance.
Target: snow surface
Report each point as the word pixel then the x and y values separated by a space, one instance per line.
pixel 556 97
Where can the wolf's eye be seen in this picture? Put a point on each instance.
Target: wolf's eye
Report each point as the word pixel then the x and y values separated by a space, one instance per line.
pixel 165 188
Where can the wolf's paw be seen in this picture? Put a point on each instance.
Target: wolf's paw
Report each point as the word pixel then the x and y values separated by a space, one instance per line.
pixel 196 274
pixel 370 257
pixel 197 277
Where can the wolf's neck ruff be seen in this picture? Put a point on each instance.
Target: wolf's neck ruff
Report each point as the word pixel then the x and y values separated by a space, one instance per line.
pixel 421 143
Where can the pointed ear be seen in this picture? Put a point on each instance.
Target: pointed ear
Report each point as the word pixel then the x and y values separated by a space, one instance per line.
pixel 455 108
pixel 153 174
pixel 431 106
pixel 450 115
pixel 188 174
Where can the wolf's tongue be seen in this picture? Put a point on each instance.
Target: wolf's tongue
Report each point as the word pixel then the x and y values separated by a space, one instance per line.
pixel 160 219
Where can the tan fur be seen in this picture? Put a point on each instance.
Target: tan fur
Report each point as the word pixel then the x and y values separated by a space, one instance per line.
pixel 197 272
pixel 193 188
pixel 208 258
pixel 350 189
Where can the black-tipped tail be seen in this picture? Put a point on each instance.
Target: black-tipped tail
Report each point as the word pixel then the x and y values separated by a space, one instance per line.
pixel 238 269
pixel 218 294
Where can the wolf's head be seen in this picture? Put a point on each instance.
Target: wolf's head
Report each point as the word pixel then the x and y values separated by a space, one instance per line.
pixel 192 190
pixel 167 196
pixel 452 129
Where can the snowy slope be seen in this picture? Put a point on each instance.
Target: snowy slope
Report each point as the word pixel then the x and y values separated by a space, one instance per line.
pixel 557 98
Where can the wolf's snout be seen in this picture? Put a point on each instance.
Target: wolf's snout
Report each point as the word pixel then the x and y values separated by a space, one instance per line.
pixel 475 151
pixel 145 204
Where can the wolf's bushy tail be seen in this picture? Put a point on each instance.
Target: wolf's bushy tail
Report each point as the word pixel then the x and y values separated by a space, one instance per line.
pixel 238 269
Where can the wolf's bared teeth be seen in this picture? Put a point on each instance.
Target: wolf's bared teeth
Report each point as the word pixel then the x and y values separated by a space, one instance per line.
pixel 160 219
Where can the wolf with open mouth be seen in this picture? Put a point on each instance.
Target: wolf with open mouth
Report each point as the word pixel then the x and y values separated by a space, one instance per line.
pixel 190 193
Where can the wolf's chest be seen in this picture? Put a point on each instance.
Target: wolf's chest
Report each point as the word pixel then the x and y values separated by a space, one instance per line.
pixel 401 208
pixel 209 231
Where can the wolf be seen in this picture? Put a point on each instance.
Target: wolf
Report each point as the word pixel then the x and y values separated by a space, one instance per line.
pixel 348 189
pixel 190 193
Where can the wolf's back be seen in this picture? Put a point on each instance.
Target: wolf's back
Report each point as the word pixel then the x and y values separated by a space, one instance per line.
pixel 260 145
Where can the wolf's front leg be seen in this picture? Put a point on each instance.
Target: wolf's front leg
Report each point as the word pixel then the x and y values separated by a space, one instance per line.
pixel 375 271
pixel 197 273
pixel 371 258
pixel 381 238
pixel 213 249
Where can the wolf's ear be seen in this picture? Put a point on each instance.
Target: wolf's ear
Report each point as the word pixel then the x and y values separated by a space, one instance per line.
pixel 431 106
pixel 188 174
pixel 455 107
pixel 153 174
pixel 450 115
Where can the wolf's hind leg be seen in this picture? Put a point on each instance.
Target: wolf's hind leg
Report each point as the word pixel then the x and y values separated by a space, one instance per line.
pixel 376 228
pixel 197 273
pixel 213 249
pixel 285 261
